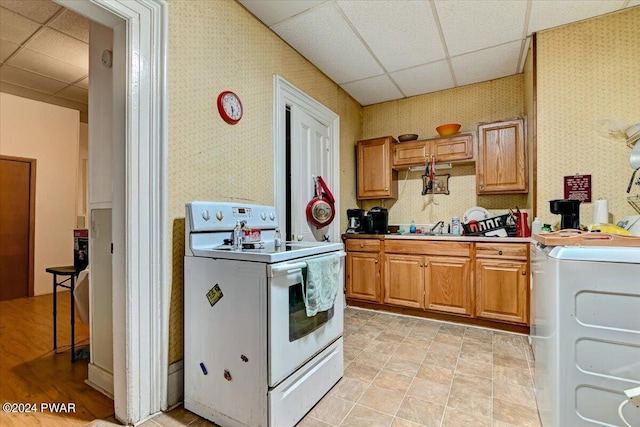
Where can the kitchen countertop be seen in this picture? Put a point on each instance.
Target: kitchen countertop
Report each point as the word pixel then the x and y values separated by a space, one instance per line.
pixel 443 237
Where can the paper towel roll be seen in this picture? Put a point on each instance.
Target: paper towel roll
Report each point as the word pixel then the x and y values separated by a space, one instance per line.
pixel 601 211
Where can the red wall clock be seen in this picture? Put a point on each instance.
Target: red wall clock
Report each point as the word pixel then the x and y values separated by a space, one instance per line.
pixel 229 107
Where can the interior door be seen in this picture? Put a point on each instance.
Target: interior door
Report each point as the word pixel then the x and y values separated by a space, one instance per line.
pixel 310 156
pixel 17 216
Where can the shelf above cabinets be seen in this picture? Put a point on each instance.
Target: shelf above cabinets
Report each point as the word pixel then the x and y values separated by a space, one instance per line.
pixel 453 149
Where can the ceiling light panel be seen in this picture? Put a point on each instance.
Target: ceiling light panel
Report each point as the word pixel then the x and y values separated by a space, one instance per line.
pixel 424 79
pixel 549 14
pixel 274 11
pixel 323 37
pixel 470 25
pixel 400 33
pixel 487 64
pixel 373 90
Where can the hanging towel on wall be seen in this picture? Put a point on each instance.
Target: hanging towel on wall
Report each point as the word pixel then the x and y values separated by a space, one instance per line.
pixel 323 280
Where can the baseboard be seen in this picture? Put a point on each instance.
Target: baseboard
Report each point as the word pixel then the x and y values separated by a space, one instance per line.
pixel 100 379
pixel 175 384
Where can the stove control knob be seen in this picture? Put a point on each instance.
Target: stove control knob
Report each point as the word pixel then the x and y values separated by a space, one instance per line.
pixel 272 216
pixel 263 216
pixel 219 215
pixel 205 215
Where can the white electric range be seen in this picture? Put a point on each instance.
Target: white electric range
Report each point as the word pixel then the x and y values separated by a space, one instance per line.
pixel 252 356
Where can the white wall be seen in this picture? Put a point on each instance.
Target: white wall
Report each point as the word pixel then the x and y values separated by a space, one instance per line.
pixel 49 134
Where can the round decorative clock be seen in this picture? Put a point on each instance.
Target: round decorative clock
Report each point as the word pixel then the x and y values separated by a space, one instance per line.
pixel 229 107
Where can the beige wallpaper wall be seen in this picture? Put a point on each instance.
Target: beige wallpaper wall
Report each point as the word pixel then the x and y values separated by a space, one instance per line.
pixel 588 86
pixel 216 46
pixel 468 105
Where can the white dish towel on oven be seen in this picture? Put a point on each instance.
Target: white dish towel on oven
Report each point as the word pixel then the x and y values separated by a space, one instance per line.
pixel 323 280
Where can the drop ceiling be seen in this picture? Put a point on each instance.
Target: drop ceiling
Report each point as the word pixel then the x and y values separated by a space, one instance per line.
pixel 382 50
pixel 44 53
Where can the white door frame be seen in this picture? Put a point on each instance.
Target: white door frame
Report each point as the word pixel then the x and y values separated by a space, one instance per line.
pixel 141 291
pixel 284 93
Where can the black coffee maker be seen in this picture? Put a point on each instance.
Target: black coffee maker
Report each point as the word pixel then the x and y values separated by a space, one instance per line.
pixel 357 221
pixel 569 210
pixel 379 220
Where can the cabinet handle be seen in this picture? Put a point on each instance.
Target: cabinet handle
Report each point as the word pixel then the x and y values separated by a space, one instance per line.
pixel 376 260
pixel 499 252
pixel 420 264
pixel 426 264
pixel 386 188
pixel 524 272
pixel 362 244
pixel 481 186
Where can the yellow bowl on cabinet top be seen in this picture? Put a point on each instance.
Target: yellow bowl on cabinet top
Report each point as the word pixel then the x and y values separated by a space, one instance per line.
pixel 448 129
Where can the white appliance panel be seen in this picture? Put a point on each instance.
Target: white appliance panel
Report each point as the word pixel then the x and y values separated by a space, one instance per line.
pixel 586 334
pixel 286 356
pixel 218 336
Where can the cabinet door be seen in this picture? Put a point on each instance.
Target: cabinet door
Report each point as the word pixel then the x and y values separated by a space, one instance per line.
pixel 404 280
pixel 502 159
pixel 376 179
pixel 448 284
pixel 411 153
pixel 501 290
pixel 453 149
pixel 363 276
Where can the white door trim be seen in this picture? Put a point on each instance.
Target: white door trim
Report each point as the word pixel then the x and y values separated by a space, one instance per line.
pixel 141 265
pixel 284 93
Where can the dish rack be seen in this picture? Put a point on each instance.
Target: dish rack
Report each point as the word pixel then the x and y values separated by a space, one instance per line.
pixel 479 228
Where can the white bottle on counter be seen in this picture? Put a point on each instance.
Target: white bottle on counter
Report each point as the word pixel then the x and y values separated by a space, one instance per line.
pixel 536 226
pixel 237 236
pixel 455 226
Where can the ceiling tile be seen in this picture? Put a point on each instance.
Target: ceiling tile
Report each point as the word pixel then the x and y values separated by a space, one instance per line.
pixel 75 94
pixel 470 25
pixel 272 12
pixel 549 14
pixel 72 24
pixel 62 47
pixel 373 90
pixel 38 10
pixel 323 37
pixel 22 91
pixel 84 83
pixel 407 35
pixel 6 49
pixel 27 79
pixel 16 28
pixel 487 64
pixel 47 66
pixel 62 102
pixel 424 79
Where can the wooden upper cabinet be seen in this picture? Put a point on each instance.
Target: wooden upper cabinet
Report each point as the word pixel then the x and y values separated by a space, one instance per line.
pixel 410 153
pixel 457 148
pixel 501 166
pixel 376 178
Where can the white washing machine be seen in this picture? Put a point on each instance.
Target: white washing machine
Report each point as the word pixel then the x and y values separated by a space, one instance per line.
pixel 585 333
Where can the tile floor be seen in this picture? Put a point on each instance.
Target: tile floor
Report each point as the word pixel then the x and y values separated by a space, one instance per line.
pixel 406 372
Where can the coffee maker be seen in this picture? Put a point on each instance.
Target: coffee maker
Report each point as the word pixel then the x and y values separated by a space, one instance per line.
pixel 569 210
pixel 357 221
pixel 379 220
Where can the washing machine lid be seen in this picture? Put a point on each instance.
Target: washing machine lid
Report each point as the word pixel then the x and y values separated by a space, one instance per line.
pixel 628 255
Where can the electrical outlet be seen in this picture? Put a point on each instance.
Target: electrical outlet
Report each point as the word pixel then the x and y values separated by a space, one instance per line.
pixel 633 394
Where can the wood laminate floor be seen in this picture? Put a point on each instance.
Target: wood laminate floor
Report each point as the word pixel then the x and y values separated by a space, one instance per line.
pixel 32 373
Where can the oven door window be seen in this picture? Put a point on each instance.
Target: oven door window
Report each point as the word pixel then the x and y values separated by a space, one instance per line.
pixel 299 324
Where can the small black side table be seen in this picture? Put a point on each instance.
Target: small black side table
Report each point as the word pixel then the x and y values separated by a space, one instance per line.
pixel 70 272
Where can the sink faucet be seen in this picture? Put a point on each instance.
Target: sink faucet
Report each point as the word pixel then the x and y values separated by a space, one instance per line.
pixel 438 224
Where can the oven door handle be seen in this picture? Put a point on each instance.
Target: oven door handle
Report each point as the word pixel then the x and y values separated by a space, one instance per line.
pixel 288 267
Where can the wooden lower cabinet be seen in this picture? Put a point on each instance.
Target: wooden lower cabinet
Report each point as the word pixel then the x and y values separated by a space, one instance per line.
pixel 448 285
pixel 363 276
pixel 404 280
pixel 502 290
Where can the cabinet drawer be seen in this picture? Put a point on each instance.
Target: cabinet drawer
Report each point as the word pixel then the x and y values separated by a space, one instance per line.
pixel 501 250
pixel 431 247
pixel 453 149
pixel 363 245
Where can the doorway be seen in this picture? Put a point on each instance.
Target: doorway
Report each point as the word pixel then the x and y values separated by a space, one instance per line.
pixel 17 226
